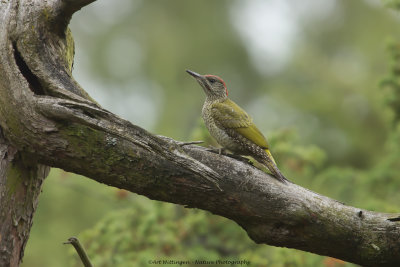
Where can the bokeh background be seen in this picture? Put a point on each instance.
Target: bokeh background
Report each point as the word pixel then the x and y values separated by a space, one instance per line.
pixel 320 79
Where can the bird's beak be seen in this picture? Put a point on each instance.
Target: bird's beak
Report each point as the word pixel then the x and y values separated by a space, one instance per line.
pixel 194 74
pixel 200 79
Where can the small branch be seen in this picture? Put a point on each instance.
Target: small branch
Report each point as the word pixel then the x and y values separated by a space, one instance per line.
pixel 69 7
pixel 80 250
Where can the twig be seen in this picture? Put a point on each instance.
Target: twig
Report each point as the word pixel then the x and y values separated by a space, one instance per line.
pixel 80 250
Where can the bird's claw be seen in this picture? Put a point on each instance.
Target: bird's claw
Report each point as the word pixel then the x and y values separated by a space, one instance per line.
pixel 395 219
pixel 241 158
pixel 218 150
pixel 223 151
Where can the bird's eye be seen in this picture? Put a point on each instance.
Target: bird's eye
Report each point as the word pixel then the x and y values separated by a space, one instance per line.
pixel 212 80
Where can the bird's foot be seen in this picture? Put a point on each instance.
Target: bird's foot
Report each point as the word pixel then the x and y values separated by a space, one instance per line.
pixel 241 158
pixel 223 151
pixel 218 150
pixel 395 219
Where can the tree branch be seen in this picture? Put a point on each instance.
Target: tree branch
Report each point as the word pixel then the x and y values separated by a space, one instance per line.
pixel 73 6
pixel 62 14
pixel 62 127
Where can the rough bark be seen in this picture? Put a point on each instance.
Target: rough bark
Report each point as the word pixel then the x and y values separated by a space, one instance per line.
pixel 20 183
pixel 48 119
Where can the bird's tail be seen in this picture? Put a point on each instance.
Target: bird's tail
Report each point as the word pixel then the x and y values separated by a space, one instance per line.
pixel 270 155
pixel 269 162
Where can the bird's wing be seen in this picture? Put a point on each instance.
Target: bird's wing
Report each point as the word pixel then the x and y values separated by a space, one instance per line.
pixel 230 116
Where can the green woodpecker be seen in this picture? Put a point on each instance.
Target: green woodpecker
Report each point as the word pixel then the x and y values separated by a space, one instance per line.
pixel 231 126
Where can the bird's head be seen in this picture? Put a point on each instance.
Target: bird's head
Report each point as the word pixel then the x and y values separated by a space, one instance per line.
pixel 213 86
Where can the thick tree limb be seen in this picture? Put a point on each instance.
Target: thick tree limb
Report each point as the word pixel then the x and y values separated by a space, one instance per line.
pixel 48 118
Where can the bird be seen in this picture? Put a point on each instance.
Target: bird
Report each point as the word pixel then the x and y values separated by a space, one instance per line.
pixel 231 126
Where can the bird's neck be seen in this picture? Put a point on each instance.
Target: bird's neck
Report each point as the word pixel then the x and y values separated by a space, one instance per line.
pixel 215 98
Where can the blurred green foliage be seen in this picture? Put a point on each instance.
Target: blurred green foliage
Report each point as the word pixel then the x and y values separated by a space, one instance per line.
pixel 391 84
pixel 330 112
pixel 393 3
pixel 163 231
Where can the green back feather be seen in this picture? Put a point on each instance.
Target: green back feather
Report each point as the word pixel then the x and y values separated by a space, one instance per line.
pixel 230 116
